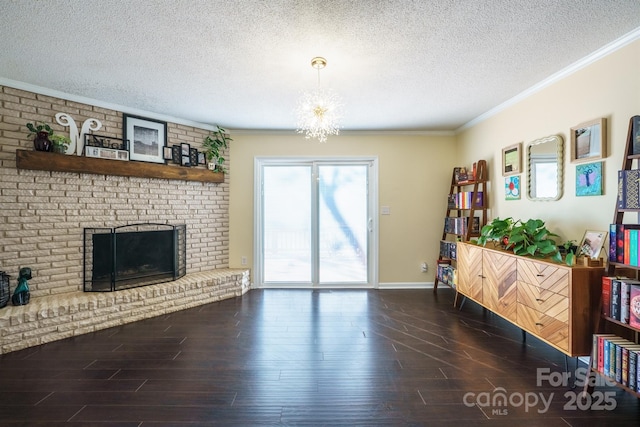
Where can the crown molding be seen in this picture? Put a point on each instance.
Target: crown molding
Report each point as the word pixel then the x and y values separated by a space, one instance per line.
pixel 565 72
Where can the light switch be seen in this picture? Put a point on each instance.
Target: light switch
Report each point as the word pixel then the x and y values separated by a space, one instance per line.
pixel 385 210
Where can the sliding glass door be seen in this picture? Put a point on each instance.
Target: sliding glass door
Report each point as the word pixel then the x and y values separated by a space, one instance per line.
pixel 315 225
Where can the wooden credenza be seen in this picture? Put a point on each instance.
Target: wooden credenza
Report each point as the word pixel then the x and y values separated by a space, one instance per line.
pixel 553 302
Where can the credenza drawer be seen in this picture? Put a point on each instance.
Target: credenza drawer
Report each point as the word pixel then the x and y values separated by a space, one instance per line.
pixel 543 301
pixel 546 327
pixel 552 277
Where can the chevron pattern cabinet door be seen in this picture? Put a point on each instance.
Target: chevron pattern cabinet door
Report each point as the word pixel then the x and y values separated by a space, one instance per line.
pixel 470 271
pixel 499 286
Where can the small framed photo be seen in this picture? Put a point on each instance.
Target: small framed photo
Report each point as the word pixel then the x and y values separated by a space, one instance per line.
pixel 168 153
pixel 185 149
pixel 592 243
pixel 512 188
pixel 193 156
pixel 185 161
pixel 589 141
pixel 589 179
pixel 147 138
pixel 512 159
pixel 202 160
pixel 175 154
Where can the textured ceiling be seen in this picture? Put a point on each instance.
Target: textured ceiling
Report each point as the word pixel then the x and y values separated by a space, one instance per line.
pixel 398 64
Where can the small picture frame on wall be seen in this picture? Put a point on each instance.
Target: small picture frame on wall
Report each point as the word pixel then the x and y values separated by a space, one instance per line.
pixel 175 152
pixel 512 159
pixel 589 141
pixel 589 179
pixel 201 158
pixel 193 156
pixel 168 153
pixel 512 188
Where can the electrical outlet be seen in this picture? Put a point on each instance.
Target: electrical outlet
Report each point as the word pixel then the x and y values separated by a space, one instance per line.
pixel 424 267
pixel 243 260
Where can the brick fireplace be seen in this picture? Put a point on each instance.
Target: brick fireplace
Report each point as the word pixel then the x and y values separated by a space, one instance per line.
pixel 44 213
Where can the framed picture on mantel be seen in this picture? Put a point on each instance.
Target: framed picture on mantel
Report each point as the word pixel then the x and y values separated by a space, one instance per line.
pixel 147 138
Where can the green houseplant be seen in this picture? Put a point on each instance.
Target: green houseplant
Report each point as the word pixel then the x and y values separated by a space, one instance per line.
pixel 60 143
pixel 213 145
pixel 528 238
pixel 497 230
pixel 41 133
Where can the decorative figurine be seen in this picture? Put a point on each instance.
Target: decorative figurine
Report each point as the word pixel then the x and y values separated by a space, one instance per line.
pixel 21 295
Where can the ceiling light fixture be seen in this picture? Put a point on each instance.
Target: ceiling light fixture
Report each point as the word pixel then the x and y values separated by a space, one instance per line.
pixel 319 111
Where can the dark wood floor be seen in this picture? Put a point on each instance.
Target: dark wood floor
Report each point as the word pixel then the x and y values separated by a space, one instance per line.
pixel 298 358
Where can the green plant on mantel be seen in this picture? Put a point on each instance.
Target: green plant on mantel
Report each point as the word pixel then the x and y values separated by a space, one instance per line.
pixel 213 145
pixel 35 128
pixel 528 238
pixel 60 142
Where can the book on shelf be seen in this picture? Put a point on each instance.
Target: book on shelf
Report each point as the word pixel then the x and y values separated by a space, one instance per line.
pixel 460 175
pixel 448 249
pixel 628 189
pixel 612 242
pixel 458 225
pixel 615 299
pixel 597 358
pixel 464 200
pixel 625 298
pixel 613 357
pixel 629 366
pixel 634 306
pixel 446 273
pixel 622 238
pixel 451 201
pixel 635 134
pixel 606 295
pixel 634 369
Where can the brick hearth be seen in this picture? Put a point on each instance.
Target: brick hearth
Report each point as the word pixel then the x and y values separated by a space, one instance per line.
pixel 60 316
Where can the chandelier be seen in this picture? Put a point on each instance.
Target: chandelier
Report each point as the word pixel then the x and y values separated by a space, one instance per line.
pixel 319 111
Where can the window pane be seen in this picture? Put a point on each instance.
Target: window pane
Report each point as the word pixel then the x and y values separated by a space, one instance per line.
pixel 343 220
pixel 287 224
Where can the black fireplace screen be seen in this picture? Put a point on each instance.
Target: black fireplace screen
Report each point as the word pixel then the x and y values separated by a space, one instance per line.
pixel 133 255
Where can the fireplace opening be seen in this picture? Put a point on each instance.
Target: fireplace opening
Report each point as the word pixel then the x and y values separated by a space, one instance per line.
pixel 133 255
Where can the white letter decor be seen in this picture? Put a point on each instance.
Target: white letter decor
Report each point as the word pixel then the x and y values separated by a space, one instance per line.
pixel 77 140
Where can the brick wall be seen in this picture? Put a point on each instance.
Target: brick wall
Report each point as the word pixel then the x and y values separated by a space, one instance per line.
pixel 42 214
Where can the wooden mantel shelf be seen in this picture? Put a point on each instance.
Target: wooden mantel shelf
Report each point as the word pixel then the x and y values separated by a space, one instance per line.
pixel 45 161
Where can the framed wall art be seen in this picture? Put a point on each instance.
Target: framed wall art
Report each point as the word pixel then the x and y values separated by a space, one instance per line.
pixel 176 156
pixel 512 188
pixel 589 141
pixel 185 154
pixel 147 138
pixel 589 179
pixel 193 156
pixel 512 159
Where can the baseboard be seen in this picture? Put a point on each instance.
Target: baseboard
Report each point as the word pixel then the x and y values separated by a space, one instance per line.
pixel 406 285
